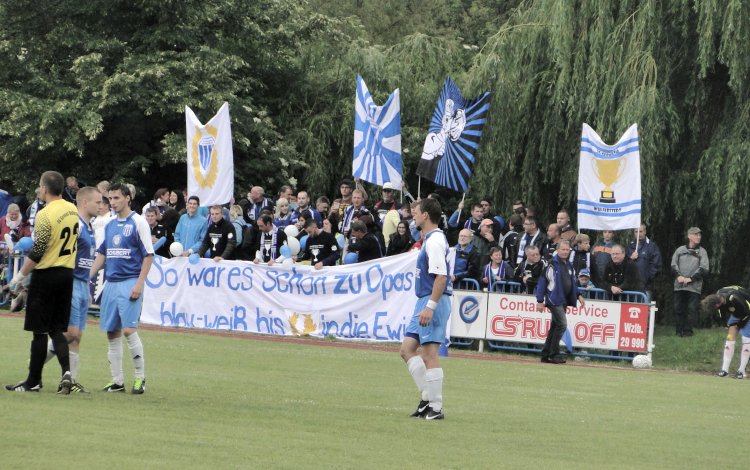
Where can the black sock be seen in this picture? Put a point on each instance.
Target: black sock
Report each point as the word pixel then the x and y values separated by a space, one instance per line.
pixel 36 362
pixel 60 344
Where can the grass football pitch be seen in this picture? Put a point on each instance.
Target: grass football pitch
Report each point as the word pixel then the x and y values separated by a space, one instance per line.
pixel 244 402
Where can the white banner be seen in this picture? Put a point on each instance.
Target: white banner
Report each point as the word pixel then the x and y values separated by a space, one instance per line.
pixel 599 325
pixel 370 301
pixel 210 161
pixel 609 182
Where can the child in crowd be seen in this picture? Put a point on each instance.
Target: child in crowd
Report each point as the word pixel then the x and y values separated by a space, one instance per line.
pixel 580 256
pixel 496 269
pixel 584 279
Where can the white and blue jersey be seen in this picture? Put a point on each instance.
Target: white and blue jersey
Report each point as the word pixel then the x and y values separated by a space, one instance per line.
pixel 85 251
pixel 432 262
pixel 126 244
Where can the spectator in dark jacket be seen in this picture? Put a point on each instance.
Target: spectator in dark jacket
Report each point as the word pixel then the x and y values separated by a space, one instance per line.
pixel 647 258
pixel 621 274
pixel 364 243
pixel 467 258
pixel 557 290
pixel 400 241
pixel 531 269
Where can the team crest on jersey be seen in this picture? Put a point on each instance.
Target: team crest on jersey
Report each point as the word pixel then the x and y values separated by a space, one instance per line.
pixel 116 240
pixel 127 230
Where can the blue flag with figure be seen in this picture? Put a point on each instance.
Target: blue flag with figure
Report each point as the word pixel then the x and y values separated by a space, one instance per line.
pixel 377 138
pixel 453 138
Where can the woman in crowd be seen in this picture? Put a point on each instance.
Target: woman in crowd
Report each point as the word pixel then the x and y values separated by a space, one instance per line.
pixel 400 241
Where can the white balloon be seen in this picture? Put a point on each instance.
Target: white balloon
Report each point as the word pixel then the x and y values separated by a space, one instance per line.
pixel 176 249
pixel 293 245
pixel 287 263
pixel 291 231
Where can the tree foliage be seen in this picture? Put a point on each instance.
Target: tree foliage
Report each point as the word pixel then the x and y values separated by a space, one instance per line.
pixel 98 89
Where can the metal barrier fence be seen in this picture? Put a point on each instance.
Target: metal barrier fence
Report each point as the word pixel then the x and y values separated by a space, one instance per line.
pixel 510 287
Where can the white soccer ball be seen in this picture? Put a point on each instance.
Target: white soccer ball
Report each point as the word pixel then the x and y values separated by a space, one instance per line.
pixel 642 361
pixel 176 249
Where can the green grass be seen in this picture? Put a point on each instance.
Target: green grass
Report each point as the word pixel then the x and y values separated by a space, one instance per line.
pixel 233 402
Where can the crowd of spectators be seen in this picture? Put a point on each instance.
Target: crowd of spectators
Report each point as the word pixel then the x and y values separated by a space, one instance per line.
pixel 490 247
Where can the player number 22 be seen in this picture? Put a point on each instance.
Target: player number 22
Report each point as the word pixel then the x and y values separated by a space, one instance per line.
pixel 69 245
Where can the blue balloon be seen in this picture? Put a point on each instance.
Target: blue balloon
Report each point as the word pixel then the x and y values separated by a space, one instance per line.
pixel 303 243
pixel 285 251
pixel 24 244
pixel 351 258
pixel 194 258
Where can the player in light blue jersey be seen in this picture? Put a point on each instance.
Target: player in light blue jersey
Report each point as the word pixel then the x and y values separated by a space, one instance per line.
pixel 431 313
pixel 128 253
pixel 88 202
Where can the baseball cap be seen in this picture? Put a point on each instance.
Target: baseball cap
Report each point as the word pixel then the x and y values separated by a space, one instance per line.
pixel 693 230
pixel 584 272
pixel 388 186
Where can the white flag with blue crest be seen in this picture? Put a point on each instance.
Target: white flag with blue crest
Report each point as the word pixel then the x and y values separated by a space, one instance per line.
pixel 377 138
pixel 210 161
pixel 609 181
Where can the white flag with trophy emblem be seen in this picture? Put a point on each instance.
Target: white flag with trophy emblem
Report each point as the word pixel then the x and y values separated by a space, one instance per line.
pixel 210 161
pixel 609 182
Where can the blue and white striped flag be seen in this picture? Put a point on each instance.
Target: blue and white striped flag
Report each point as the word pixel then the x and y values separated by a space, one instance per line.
pixel 453 138
pixel 609 182
pixel 377 138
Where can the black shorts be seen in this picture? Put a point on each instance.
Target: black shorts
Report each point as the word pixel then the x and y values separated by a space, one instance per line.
pixel 48 301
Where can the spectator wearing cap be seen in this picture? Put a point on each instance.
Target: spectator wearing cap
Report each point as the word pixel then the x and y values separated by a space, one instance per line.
pixel 647 257
pixel 341 204
pixel 584 280
pixel 689 266
pixel 485 241
pixel 387 203
pixel 497 219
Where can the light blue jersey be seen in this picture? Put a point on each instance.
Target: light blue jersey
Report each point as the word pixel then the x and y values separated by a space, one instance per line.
pixel 126 244
pixel 85 251
pixel 431 262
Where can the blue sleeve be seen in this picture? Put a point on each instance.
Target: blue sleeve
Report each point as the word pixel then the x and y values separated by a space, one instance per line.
pixel 541 286
pixel 453 221
pixel 178 230
pixel 201 235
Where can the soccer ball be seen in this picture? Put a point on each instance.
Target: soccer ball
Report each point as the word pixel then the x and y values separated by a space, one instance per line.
pixel 176 249
pixel 642 361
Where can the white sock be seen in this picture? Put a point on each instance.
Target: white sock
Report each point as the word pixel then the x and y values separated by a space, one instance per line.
pixel 74 361
pixel 728 353
pixel 114 354
pixel 136 352
pixel 50 351
pixel 434 380
pixel 745 354
pixel 417 370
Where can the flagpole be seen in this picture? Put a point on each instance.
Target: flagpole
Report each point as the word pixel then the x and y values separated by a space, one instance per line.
pixel 460 206
pixel 419 187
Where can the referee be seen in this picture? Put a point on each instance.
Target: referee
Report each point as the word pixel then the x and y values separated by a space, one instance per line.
pixel 52 258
